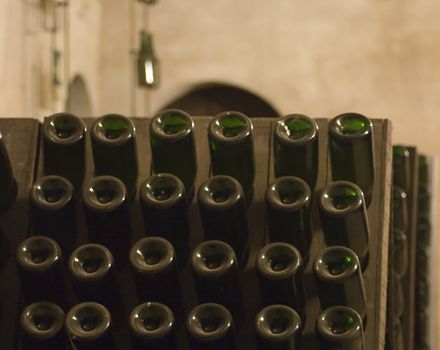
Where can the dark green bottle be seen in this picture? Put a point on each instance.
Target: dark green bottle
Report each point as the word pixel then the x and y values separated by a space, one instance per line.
pixel 7 181
pixel 147 63
pixel 165 212
pixel 400 209
pixel 211 327
pixel 64 137
pixel 89 326
pixel 424 229
pixel 340 328
pixel 173 146
pixel 232 150
pixel 114 149
pixel 152 326
pixel 399 299
pixel 400 253
pixel 344 218
pixel 278 328
pixel 339 279
pixel 401 168
pixel 280 273
pixel 296 148
pixel 42 327
pixel 351 151
pixel 288 213
pixel 223 211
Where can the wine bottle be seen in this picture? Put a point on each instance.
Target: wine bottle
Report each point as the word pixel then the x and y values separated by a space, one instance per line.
pixel 7 181
pixel 280 272
pixel 53 211
pixel 42 327
pixel 401 167
pixel 147 63
pixel 400 209
pixel 339 279
pixel 173 147
pixel 215 270
pixel 296 148
pixel 340 327
pixel 288 213
pixel 39 260
pixel 399 299
pixel 400 253
pixel 89 326
pixel 114 149
pixel 211 327
pixel 152 326
pixel 106 212
pixel 351 151
pixel 344 218
pixel 223 211
pixel 278 328
pixel 231 146
pixel 424 229
pixel 165 212
pixel 64 147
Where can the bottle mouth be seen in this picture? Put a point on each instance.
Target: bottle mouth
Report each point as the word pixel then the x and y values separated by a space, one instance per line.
pixel 90 262
pixel 88 321
pixel 162 190
pixel 220 192
pixel 400 240
pixel 340 324
pixel 152 255
pixel 288 193
pixel 279 260
pixel 152 320
pixel 296 129
pixel 336 264
pixel 38 253
pixel 400 155
pixel 64 128
pixel 230 127
pixel 349 126
pixel 277 323
pixel 113 129
pixel 51 192
pixel 399 198
pixel 172 125
pixel 341 198
pixel 208 322
pixel 104 193
pixel 42 320
pixel 213 258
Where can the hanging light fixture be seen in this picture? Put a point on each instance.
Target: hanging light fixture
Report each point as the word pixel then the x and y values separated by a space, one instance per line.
pixel 148 70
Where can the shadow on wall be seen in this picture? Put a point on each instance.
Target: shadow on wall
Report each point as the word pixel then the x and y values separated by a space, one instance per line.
pixel 78 100
pixel 213 98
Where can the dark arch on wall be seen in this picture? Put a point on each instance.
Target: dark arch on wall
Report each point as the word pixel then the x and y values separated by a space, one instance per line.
pixel 213 98
pixel 78 100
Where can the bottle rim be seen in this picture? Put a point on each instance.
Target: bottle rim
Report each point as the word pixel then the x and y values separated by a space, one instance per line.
pixel 264 323
pixel 223 254
pixel 329 316
pixel 336 127
pixel 201 314
pixel 165 321
pixel 344 256
pixel 40 186
pixel 90 193
pixel 400 153
pixel 41 309
pixel 299 193
pixel 399 193
pixel 289 260
pixel 44 245
pixel 159 248
pixel 98 130
pixel 50 129
pixel 228 187
pixel 158 121
pixel 76 315
pixel 216 130
pixel 282 131
pixel 356 201
pixel 90 251
pixel 149 187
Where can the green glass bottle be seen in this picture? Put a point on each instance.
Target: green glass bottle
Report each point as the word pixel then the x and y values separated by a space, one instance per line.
pixel 296 148
pixel 64 137
pixel 173 146
pixel 147 63
pixel 231 146
pixel 339 279
pixel 399 299
pixel 114 149
pixel 400 253
pixel 7 181
pixel 400 209
pixel 351 151
pixel 424 196
pixel 344 218
pixel 288 213
pixel 401 167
